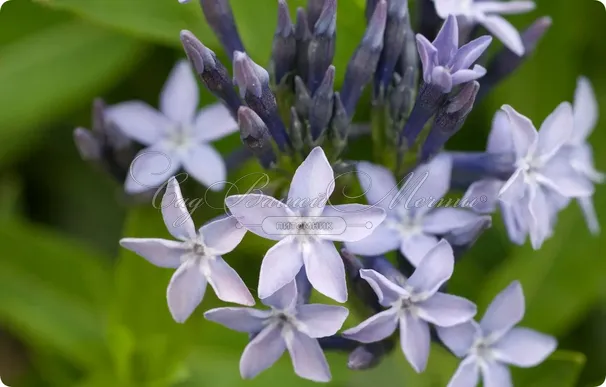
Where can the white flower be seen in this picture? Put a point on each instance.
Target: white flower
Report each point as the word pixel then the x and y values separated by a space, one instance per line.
pixel 175 136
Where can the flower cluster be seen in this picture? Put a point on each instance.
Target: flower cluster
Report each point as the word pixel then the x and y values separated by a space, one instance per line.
pixel 294 122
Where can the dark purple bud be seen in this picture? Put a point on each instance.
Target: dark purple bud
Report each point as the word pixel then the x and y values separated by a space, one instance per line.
pixel 212 73
pixel 220 18
pixel 340 125
pixel 296 131
pixel 253 81
pixel 368 356
pixel 337 343
pixel 396 31
pixel 303 37
pixel 364 62
pixel 506 62
pixel 322 105
pixel 314 10
pixel 449 120
pixel 255 136
pixel 428 101
pixel 87 145
pixel 370 8
pixel 468 167
pixel 284 49
pixel 361 288
pixel 402 96
pixel 321 49
pixel 303 100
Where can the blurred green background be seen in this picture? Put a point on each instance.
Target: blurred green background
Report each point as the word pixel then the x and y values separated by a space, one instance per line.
pixel 77 311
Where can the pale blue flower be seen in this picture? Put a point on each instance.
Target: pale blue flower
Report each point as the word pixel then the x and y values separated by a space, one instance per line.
pixel 489 347
pixel 287 326
pixel 312 185
pixel 416 212
pixel 196 256
pixel 413 305
pixel 176 136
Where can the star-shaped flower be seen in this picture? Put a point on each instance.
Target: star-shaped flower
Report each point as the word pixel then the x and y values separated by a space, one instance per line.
pixel 196 256
pixel 287 326
pixel 305 228
pixel 414 216
pixel 175 136
pixel 543 172
pixel 494 343
pixel 487 13
pixel 414 305
pixel 447 65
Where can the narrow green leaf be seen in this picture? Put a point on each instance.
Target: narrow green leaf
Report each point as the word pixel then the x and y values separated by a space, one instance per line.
pixel 50 72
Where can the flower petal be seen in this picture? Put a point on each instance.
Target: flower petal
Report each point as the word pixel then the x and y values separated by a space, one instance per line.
pixel 386 291
pixel 375 328
pixel 434 270
pixel 505 32
pixel 378 184
pixel 440 76
pixel 504 312
pixel 556 130
pixel 307 357
pixel 585 111
pixel 540 225
pixel 206 165
pixel 246 320
pixel 285 298
pixel 160 252
pixel 517 229
pixel 185 290
pixel 150 168
pixel 514 189
pixel 447 40
pixel 227 284
pixel 468 75
pixel 446 310
pixel 176 216
pixel 590 214
pixel 500 139
pixel 523 132
pixel 469 53
pixel 559 175
pixel 416 247
pixel 428 55
pixel 459 338
pixel 467 375
pixel 313 181
pixel 360 221
pixel 495 374
pixel 262 352
pixel 259 214
pixel 223 235
pixel 444 220
pixel 180 97
pixel 524 347
pixel 382 240
pixel 214 122
pixel 139 121
pixel 415 341
pixel 280 266
pixel 325 269
pixel 321 320
pixel 482 195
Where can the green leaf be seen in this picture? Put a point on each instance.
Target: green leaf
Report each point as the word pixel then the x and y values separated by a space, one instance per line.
pixel 53 292
pixel 50 72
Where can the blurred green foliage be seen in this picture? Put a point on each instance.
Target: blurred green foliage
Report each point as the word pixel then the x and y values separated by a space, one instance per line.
pixel 77 311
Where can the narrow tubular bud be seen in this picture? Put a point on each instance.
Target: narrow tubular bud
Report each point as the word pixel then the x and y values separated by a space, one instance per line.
pixel 296 131
pixel 369 355
pixel 340 125
pixel 253 81
pixel 220 18
pixel 211 72
pixel 362 289
pixel 303 100
pixel 396 31
pixel 337 343
pixel 321 49
pixel 449 120
pixel 284 49
pixel 468 167
pixel 314 10
pixel 364 62
pixel 428 101
pixel 255 136
pixel 321 110
pixel 402 96
pixel 87 145
pixel 370 8
pixel 303 287
pixel 303 37
pixel 506 62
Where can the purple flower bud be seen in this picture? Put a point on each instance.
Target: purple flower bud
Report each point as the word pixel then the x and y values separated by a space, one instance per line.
pixel 363 291
pixel 211 71
pixel 364 62
pixel 322 105
pixel 220 18
pixel 303 37
pixel 402 97
pixel 428 101
pixel 396 31
pixel 296 130
pixel 468 167
pixel 449 120
pixel 370 8
pixel 314 10
pixel 337 343
pixel 253 81
pixel 370 355
pixel 506 61
pixel 303 100
pixel 340 121
pixel 284 49
pixel 321 49
pixel 255 136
